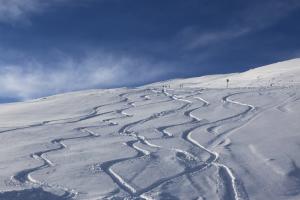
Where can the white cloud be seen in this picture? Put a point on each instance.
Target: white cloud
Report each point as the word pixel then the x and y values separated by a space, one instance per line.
pixel 20 11
pixel 97 70
pixel 255 17
pixel 191 38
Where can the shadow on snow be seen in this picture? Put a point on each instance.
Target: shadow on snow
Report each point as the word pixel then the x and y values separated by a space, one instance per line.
pixel 31 194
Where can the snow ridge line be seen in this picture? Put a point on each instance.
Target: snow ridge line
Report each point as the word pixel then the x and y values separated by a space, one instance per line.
pixel 226 99
pixel 164 91
pixel 189 114
pixel 206 103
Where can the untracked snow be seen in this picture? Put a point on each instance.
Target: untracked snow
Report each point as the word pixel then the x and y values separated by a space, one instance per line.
pixel 286 73
pixel 192 139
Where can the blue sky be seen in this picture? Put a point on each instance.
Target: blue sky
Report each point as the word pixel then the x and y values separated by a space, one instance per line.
pixel 48 47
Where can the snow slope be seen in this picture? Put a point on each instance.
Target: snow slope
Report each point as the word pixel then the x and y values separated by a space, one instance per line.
pixel 279 74
pixel 152 143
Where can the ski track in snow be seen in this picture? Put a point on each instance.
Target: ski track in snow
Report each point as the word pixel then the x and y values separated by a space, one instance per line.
pixel 186 136
pixel 126 130
pixel 214 155
pixel 24 176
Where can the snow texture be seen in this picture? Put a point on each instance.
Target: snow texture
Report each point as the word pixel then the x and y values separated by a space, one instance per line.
pixel 179 139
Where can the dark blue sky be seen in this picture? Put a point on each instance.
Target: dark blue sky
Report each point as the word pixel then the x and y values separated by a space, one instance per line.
pixel 65 45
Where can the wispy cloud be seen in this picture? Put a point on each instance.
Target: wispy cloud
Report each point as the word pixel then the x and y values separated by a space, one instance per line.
pixel 34 79
pixel 191 37
pixel 12 11
pixel 20 11
pixel 255 17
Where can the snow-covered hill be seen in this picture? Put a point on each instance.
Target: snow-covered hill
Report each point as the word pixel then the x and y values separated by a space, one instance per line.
pixel 284 73
pixel 151 142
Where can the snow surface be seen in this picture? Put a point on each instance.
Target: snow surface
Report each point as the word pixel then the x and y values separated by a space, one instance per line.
pixel 286 73
pixel 190 142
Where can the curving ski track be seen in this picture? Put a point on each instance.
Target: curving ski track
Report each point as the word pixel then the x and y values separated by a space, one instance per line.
pixel 127 130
